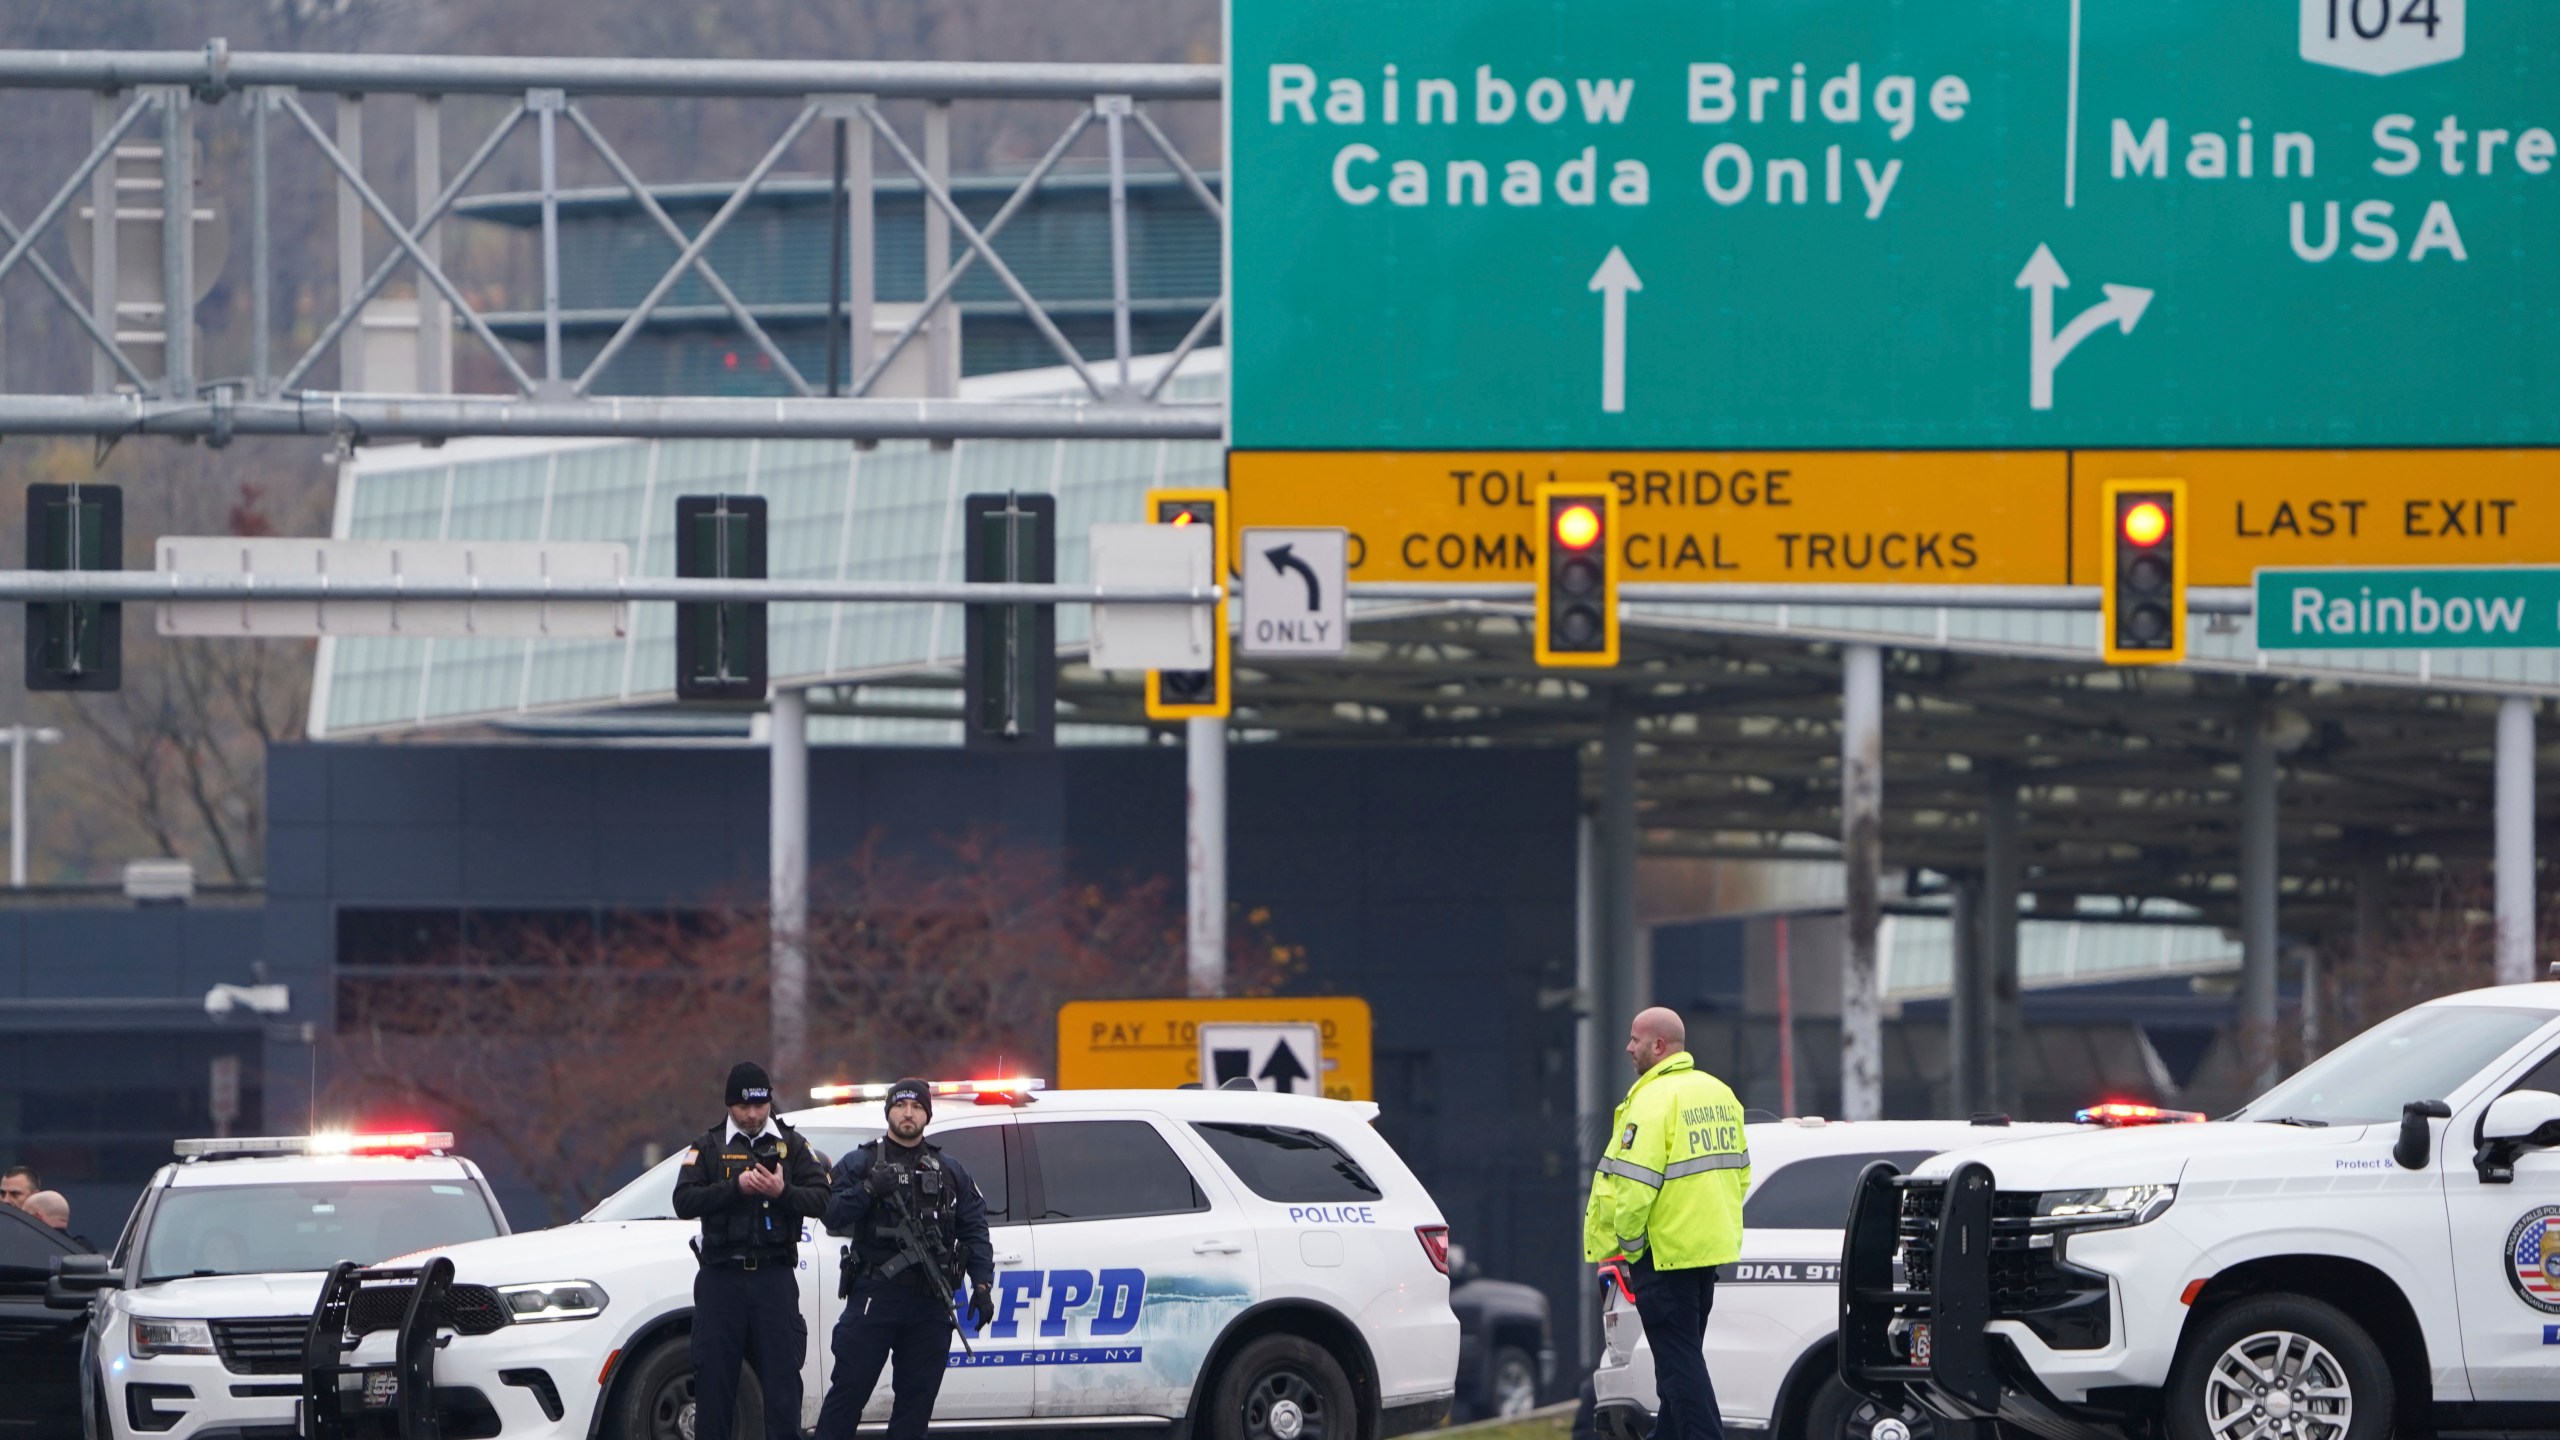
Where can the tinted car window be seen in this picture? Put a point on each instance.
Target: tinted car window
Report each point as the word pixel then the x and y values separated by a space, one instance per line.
pixel 2545 1076
pixel 980 1151
pixel 1294 1166
pixel 1096 1169
pixel 28 1242
pixel 1813 1194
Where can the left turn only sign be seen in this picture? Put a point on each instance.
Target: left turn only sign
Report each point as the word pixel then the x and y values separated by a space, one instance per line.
pixel 1293 601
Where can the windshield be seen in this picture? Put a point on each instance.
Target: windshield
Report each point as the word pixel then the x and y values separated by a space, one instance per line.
pixel 2421 1054
pixel 268 1229
pixel 653 1195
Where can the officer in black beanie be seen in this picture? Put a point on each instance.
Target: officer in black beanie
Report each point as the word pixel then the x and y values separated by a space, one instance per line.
pixel 897 1305
pixel 750 1180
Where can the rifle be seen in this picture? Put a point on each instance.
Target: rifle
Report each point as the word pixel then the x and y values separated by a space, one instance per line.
pixel 901 1229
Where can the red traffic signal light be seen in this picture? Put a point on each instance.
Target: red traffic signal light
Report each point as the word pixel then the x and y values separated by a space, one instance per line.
pixel 2146 523
pixel 1577 526
pixel 1577 617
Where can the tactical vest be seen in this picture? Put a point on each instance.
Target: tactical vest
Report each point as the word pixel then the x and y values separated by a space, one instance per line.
pixel 752 1228
pixel 927 1197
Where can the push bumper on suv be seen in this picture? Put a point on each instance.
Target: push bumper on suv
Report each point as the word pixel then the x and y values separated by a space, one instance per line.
pixel 345 1399
pixel 1926 1267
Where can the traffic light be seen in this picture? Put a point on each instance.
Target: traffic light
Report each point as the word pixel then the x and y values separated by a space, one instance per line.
pixel 1011 676
pixel 75 645
pixel 1577 574
pixel 1189 694
pixel 720 645
pixel 2144 619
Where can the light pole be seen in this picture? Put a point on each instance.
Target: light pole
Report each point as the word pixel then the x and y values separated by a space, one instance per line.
pixel 19 736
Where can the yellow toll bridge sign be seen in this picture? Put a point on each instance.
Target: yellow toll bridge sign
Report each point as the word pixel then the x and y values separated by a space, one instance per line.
pixel 1942 517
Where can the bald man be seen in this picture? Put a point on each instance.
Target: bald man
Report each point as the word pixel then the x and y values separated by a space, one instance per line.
pixel 1668 1196
pixel 49 1207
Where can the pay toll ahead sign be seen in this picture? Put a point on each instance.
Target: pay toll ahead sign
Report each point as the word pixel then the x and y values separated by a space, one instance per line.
pixel 1963 517
pixel 1159 1044
pixel 1639 224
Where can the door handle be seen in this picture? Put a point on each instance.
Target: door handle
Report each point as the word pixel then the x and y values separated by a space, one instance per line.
pixel 1217 1247
pixel 1009 1259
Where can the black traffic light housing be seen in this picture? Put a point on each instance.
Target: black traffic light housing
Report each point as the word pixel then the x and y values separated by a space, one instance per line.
pixel 2143 610
pixel 720 646
pixel 1011 684
pixel 1577 574
pixel 78 644
pixel 1195 694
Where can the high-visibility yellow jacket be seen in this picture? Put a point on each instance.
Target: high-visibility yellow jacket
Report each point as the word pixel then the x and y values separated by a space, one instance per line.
pixel 1674 1174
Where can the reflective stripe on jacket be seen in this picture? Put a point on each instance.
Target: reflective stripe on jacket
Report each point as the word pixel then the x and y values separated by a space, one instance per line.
pixel 1674 1174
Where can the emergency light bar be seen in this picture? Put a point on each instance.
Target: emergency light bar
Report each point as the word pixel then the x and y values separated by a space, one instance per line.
pixel 2119 1113
pixel 985 1092
pixel 413 1142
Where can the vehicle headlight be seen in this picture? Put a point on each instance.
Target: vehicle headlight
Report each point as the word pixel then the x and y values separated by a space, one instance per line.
pixel 170 1337
pixel 2116 1205
pixel 554 1300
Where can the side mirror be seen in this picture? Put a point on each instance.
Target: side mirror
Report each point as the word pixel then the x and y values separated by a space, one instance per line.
pixel 77 1279
pixel 2417 1140
pixel 2517 1121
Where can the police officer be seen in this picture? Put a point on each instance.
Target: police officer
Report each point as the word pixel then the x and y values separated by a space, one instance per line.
pixel 917 1223
pixel 750 1179
pixel 1668 1196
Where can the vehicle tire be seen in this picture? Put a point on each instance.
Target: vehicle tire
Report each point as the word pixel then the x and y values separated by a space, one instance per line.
pixel 2335 1384
pixel 1281 1387
pixel 1837 1412
pixel 654 1398
pixel 1511 1385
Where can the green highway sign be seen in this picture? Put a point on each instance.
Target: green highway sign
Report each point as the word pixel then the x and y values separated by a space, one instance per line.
pixel 1829 224
pixel 2490 607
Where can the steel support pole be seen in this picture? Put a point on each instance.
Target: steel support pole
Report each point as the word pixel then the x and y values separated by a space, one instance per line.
pixel 1114 110
pixel 2001 867
pixel 835 267
pixel 858 239
pixel 104 291
pixel 1862 854
pixel 177 244
pixel 350 127
pixel 788 740
pixel 2515 899
pixel 1204 745
pixel 262 305
pixel 18 737
pixel 1968 999
pixel 2259 879
pixel 942 340
pixel 546 108
pixel 435 320
pixel 1590 1051
pixel 1624 984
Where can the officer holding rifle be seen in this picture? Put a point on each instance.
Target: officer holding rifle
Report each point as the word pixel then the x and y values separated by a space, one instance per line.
pixel 917 1224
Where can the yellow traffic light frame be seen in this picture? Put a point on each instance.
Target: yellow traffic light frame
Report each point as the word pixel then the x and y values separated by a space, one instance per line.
pixel 2110 572
pixel 1222 671
pixel 1607 495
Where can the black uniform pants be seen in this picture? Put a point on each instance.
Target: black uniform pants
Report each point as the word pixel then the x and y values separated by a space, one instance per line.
pixel 737 1313
pixel 884 1320
pixel 1674 1305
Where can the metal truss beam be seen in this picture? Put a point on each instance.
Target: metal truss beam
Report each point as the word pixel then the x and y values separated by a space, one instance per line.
pixel 217 70
pixel 447 417
pixel 148 586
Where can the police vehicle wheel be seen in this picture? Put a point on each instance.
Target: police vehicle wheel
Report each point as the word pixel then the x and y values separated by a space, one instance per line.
pixel 1840 1413
pixel 1514 1387
pixel 2280 1367
pixel 1281 1387
pixel 655 1399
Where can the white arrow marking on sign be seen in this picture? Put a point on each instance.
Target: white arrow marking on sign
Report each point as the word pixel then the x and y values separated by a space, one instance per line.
pixel 2123 307
pixel 1613 280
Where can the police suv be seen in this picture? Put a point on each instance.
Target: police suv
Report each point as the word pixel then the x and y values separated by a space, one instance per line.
pixel 2373 1245
pixel 1247 1265
pixel 1769 1341
pixel 196 1319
